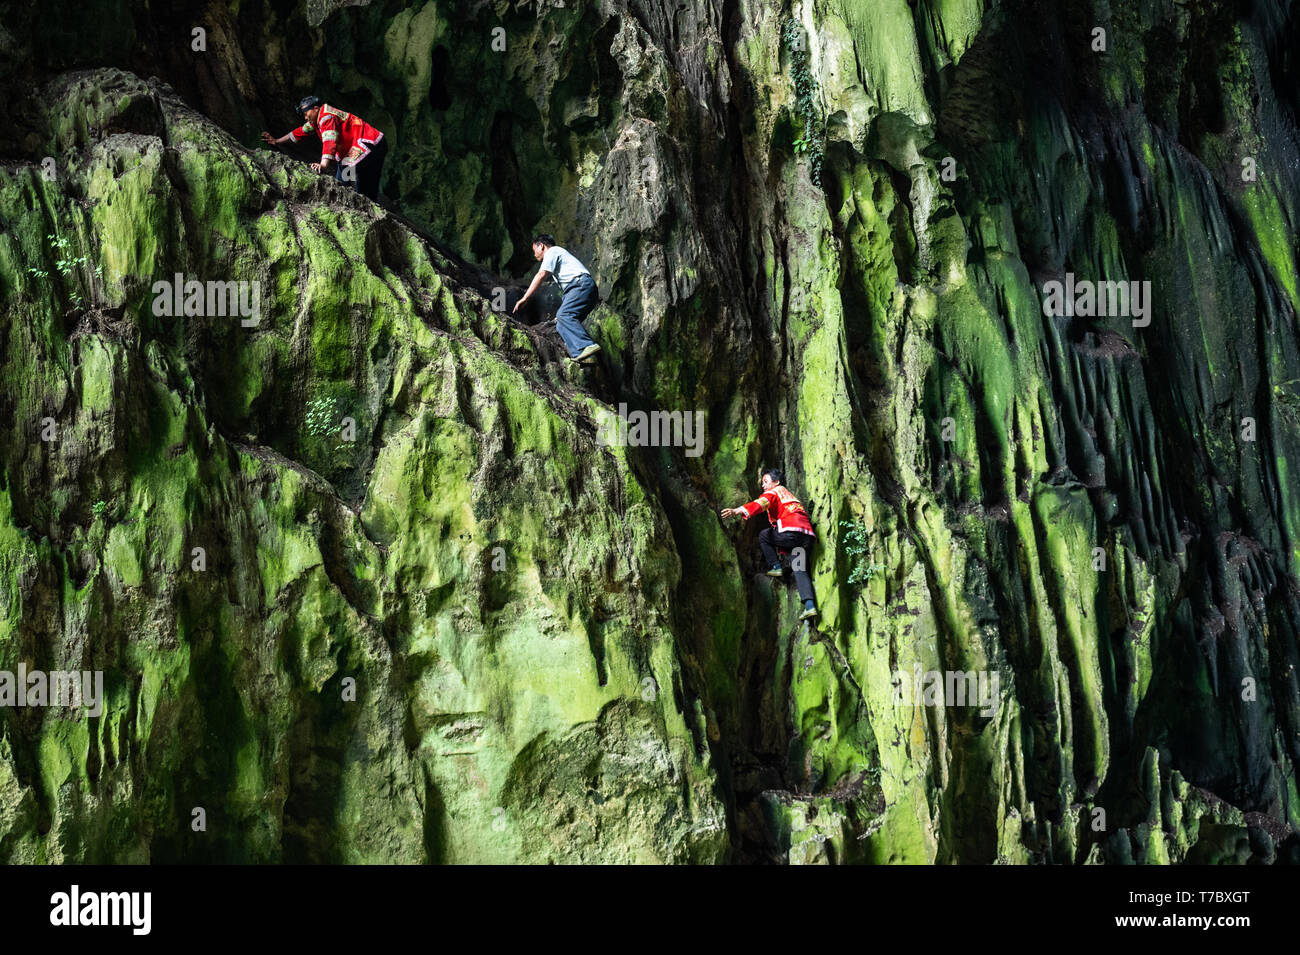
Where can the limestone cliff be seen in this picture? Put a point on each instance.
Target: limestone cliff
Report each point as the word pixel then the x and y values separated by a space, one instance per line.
pixel 364 581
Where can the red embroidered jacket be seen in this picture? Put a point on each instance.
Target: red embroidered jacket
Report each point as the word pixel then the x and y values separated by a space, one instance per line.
pixel 790 515
pixel 344 137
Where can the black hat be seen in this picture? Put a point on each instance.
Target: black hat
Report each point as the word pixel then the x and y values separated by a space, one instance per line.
pixel 307 102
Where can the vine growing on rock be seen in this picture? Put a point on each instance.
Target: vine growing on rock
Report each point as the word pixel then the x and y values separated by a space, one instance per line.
pixel 70 266
pixel 812 140
pixel 856 546
pixel 322 416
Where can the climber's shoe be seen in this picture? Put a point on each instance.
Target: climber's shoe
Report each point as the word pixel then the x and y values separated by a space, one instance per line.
pixel 808 614
pixel 776 570
pixel 586 353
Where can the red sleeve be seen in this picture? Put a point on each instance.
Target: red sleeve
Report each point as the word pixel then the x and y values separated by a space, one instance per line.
pixel 764 501
pixel 299 133
pixel 329 136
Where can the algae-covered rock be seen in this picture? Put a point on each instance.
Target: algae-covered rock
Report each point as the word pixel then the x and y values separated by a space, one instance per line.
pixel 362 566
pixel 367 583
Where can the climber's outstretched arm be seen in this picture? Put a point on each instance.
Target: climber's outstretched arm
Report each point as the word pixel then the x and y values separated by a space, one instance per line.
pixel 748 510
pixel 541 276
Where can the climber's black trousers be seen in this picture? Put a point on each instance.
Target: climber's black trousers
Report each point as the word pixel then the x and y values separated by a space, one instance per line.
pixel 769 540
pixel 364 176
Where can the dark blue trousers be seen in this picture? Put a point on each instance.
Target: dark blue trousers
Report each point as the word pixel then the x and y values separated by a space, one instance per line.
pixel 579 299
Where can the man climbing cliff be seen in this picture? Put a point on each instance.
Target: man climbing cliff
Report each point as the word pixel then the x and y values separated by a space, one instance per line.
pixel 351 148
pixel 578 294
pixel 790 529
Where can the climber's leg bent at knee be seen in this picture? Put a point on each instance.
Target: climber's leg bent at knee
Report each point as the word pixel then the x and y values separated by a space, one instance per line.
pixel 800 546
pixel 579 299
pixel 768 544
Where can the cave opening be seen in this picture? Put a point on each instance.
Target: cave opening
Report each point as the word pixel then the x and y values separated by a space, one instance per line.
pixel 508 185
pixel 440 75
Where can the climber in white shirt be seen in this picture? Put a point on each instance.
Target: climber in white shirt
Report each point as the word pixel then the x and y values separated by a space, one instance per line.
pixel 578 291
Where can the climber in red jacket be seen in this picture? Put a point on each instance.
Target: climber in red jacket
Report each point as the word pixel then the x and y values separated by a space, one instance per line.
pixel 350 147
pixel 790 530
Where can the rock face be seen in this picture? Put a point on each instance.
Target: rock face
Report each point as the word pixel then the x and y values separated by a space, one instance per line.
pixel 367 581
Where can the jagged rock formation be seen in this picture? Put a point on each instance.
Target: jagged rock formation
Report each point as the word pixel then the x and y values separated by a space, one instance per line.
pixel 832 227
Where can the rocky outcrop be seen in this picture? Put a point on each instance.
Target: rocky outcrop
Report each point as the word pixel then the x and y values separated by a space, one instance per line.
pixel 832 227
pixel 430 615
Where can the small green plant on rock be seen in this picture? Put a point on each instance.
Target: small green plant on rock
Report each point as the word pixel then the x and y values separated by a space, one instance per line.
pixel 322 416
pixel 813 140
pixel 329 423
pixel 856 546
pixel 99 507
pixel 67 265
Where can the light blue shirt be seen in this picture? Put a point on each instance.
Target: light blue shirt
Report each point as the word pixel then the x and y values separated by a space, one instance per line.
pixel 564 268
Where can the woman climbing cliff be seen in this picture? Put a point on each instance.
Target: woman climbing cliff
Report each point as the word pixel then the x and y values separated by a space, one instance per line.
pixel 350 147
pixel 790 530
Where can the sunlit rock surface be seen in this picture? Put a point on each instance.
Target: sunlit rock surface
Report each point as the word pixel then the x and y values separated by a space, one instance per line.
pixel 436 618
